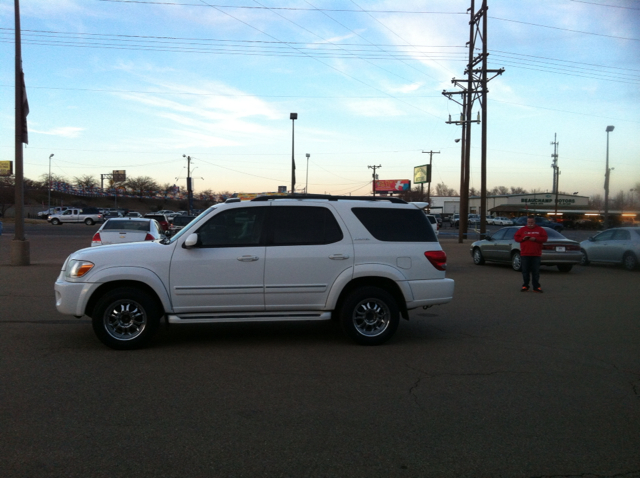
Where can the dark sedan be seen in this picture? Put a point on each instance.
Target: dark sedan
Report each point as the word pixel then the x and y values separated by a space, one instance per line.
pixel 502 247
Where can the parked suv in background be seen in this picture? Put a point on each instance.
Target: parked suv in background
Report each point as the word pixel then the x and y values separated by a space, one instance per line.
pixel 362 261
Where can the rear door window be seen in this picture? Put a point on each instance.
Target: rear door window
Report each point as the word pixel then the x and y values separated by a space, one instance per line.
pixel 302 225
pixel 396 225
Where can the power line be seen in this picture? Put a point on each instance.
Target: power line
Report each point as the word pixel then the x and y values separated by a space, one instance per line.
pixel 326 64
pixel 283 8
pixel 565 29
pixel 605 5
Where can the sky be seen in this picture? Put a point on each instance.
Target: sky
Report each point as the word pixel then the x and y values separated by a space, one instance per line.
pixel 140 85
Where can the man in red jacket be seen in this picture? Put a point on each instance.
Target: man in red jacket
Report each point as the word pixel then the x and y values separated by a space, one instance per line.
pixel 531 238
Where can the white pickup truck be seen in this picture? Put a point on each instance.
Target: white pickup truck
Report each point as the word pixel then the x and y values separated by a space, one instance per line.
pixel 75 215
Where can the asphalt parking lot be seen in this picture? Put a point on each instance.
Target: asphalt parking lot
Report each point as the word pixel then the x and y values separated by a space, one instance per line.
pixel 496 383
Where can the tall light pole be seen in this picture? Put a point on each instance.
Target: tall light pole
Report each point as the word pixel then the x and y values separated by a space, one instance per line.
pixel 293 117
pixel 606 182
pixel 189 189
pixel 306 184
pixel 50 156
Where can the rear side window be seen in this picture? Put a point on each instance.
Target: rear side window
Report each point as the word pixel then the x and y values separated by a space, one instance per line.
pixel 396 225
pixel 622 235
pixel 302 226
pixel 126 226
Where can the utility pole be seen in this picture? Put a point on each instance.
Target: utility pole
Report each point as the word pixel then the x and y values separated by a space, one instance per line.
pixel 473 87
pixel 554 165
pixel 20 248
pixel 431 153
pixel 374 177
pixel 189 189
pixel 607 174
pixel 556 172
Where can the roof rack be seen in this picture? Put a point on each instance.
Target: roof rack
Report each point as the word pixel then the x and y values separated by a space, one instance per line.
pixel 332 198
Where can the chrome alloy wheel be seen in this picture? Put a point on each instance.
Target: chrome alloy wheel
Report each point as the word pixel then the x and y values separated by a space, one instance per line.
pixel 371 317
pixel 125 319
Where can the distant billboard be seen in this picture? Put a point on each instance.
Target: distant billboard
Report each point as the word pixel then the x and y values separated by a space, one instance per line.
pixel 6 168
pixel 422 174
pixel 393 185
pixel 119 175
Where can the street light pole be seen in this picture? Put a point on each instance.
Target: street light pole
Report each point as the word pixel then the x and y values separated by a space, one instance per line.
pixel 306 184
pixel 606 182
pixel 293 117
pixel 49 211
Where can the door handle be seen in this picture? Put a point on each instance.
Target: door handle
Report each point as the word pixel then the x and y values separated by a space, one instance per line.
pixel 338 257
pixel 247 258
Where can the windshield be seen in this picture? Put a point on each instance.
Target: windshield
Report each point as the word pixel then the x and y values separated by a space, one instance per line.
pixel 189 226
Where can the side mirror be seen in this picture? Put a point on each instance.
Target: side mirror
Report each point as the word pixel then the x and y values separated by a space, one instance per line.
pixel 591 239
pixel 191 241
pixel 488 238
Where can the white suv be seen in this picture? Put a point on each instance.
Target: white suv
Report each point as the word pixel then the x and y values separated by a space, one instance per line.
pixel 362 261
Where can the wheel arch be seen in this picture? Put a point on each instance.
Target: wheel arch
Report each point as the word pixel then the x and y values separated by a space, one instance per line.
pixel 631 253
pixel 384 283
pixel 116 284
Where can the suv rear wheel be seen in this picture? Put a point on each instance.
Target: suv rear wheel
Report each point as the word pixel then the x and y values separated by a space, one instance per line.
pixel 126 318
pixel 369 315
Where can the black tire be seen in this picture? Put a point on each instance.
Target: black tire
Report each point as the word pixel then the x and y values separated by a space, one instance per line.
pixel 89 222
pixel 584 260
pixel 126 318
pixel 478 258
pixel 630 261
pixel 55 221
pixel 516 261
pixel 565 267
pixel 369 315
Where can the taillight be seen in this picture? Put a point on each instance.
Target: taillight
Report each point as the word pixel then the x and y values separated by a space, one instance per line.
pixel 438 259
pixel 149 237
pixel 96 239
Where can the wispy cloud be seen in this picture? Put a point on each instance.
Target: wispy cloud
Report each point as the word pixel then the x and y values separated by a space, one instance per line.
pixel 374 107
pixel 64 131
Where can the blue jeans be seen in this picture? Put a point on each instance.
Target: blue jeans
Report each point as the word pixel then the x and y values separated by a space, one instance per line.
pixel 531 270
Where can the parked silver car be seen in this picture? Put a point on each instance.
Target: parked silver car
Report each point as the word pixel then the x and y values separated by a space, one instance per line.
pixel 502 247
pixel 619 245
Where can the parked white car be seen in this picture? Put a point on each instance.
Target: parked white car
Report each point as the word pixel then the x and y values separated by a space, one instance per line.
pixel 434 223
pixel 127 229
pixel 364 261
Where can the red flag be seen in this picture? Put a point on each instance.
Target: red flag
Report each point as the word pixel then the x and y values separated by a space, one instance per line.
pixel 25 111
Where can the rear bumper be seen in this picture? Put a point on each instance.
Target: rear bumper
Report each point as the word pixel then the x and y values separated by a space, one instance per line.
pixel 430 292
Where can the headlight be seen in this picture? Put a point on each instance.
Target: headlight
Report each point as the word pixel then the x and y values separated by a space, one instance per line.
pixel 77 269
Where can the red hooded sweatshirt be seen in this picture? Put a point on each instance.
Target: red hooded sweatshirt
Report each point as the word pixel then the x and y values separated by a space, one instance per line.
pixel 533 246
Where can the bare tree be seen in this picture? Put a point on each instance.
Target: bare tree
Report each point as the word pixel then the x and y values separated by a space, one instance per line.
pixel 85 182
pixel 518 190
pixel 596 201
pixel 443 190
pixel 141 185
pixel 414 195
pixel 473 192
pixel 165 188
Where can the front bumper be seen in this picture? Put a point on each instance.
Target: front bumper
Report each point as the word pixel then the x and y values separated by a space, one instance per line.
pixel 72 297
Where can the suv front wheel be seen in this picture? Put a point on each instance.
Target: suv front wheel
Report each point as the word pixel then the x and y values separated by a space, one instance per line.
pixel 126 318
pixel 369 315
